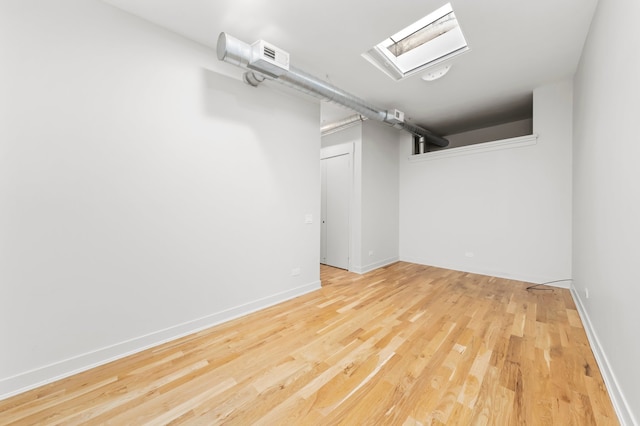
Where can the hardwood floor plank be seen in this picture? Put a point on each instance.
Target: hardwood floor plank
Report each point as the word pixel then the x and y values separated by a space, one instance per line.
pixel 405 344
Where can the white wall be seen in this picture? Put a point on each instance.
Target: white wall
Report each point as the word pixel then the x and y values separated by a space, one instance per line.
pixel 504 212
pixel 380 195
pixel 142 194
pixel 607 198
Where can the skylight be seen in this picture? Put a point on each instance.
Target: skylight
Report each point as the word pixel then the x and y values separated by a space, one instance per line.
pixel 424 43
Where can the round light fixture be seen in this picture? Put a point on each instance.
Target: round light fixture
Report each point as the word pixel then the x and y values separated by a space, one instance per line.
pixel 436 74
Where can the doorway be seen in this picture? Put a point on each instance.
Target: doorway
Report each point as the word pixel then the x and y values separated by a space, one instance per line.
pixel 336 188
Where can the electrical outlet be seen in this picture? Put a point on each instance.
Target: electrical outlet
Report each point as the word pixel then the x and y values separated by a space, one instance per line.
pixel 586 292
pixel 470 254
pixel 370 252
pixel 295 272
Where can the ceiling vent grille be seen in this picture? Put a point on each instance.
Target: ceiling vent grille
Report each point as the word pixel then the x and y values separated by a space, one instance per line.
pixel 270 53
pixel 268 59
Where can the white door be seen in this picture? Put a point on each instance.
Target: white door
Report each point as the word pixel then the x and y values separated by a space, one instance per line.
pixel 336 188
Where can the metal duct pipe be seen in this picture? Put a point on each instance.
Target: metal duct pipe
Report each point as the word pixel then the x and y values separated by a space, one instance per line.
pixel 309 84
pixel 327 129
pixel 236 52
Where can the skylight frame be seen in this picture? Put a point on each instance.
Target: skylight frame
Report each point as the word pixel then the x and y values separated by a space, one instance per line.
pixel 442 47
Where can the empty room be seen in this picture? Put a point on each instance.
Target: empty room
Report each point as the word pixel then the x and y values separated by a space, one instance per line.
pixel 282 213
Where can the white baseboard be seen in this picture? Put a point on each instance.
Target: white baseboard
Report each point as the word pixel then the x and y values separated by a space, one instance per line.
pixel 370 267
pixel 534 279
pixel 620 403
pixel 37 377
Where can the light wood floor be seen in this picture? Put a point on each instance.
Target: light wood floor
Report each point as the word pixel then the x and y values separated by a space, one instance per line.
pixel 405 345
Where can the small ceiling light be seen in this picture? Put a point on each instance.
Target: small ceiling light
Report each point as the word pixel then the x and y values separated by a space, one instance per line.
pixel 436 74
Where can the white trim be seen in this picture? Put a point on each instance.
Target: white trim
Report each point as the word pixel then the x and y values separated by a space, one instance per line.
pixel 37 377
pixel 518 142
pixel 372 266
pixel 533 279
pixel 620 403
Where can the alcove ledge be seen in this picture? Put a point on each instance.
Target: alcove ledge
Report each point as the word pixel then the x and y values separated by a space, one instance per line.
pixel 517 142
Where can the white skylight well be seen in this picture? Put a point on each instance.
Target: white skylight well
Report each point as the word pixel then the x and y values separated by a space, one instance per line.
pixel 424 43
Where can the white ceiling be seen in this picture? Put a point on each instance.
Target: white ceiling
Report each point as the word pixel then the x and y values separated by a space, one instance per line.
pixel 516 45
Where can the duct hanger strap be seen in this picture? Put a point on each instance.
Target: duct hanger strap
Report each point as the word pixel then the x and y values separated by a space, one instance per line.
pixel 263 60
